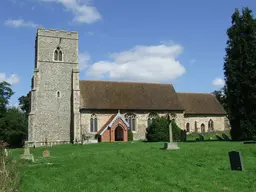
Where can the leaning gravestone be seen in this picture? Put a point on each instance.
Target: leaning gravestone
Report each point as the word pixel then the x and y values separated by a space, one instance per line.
pixel 236 162
pixel 27 155
pixel 170 145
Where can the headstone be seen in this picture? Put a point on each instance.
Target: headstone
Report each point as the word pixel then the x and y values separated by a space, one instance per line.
pixel 236 162
pixel 171 145
pixel 27 155
pixel 46 153
pixel 201 137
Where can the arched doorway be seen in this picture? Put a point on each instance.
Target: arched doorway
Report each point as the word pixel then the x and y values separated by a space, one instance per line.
pixel 119 134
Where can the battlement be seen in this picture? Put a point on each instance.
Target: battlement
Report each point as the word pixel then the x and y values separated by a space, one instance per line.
pixel 55 33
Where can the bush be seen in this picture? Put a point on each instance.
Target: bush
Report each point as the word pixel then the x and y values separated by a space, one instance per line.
pixel 130 135
pixel 159 130
pixel 9 176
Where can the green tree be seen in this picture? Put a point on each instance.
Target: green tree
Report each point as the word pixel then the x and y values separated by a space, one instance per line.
pixel 24 102
pixel 159 130
pixel 221 97
pixel 240 75
pixel 13 127
pixel 5 94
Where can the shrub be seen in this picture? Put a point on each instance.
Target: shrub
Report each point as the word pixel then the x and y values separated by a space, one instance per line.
pixel 9 177
pixel 159 130
pixel 130 135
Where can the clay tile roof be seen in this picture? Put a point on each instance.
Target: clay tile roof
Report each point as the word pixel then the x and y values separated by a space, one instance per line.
pixel 200 103
pixel 128 95
pixel 107 122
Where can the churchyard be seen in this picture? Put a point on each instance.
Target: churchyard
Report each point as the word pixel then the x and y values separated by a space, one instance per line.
pixel 138 166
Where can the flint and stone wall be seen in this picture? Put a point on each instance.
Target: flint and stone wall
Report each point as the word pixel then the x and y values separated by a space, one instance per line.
pixel 51 116
pixel 142 122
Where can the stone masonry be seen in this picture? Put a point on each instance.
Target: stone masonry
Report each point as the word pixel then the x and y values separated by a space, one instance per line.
pixel 55 94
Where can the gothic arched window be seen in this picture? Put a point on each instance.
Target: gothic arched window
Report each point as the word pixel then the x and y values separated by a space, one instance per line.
pixel 131 119
pixel 210 125
pixel 202 128
pixel 151 117
pixel 93 123
pixel 196 127
pixel 187 127
pixel 58 54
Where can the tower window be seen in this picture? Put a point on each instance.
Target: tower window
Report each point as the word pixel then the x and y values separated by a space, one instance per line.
pixel 58 94
pixel 58 55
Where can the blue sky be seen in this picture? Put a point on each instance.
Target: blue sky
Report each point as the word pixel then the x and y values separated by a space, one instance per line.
pixel 179 42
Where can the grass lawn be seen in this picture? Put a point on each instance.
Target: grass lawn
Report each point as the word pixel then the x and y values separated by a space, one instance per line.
pixel 197 166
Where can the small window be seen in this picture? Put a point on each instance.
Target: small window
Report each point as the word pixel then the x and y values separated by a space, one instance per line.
pixel 58 55
pixel 210 125
pixel 187 127
pixel 151 117
pixel 55 55
pixel 58 94
pixel 202 128
pixel 93 123
pixel 131 119
pixel 196 127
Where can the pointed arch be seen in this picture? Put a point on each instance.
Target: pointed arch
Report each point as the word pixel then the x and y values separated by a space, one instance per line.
pixel 202 128
pixel 196 127
pixel 187 127
pixel 93 123
pixel 55 55
pixel 210 125
pixel 151 117
pixel 131 119
pixel 58 54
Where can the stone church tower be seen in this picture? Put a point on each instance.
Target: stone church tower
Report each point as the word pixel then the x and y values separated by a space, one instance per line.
pixel 55 94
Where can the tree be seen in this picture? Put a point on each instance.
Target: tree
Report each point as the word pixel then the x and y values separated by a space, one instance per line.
pixel 5 94
pixel 240 75
pixel 13 127
pixel 221 97
pixel 159 130
pixel 24 102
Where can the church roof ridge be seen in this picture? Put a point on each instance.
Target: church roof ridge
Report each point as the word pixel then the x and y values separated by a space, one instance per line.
pixel 202 93
pixel 135 82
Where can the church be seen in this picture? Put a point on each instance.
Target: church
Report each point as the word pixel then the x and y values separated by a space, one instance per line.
pixel 65 109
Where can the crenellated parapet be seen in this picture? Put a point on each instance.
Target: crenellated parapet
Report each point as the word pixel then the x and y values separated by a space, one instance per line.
pixel 56 33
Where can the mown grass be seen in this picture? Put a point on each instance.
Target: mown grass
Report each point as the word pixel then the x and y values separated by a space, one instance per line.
pixel 139 166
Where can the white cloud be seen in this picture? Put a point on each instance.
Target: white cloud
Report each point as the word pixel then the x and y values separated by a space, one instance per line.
pixel 16 23
pixel 82 10
pixel 218 82
pixel 83 60
pixel 142 63
pixel 13 79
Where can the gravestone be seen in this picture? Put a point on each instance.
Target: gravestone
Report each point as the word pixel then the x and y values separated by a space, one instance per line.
pixel 27 155
pixel 201 137
pixel 236 162
pixel 170 145
pixel 46 152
